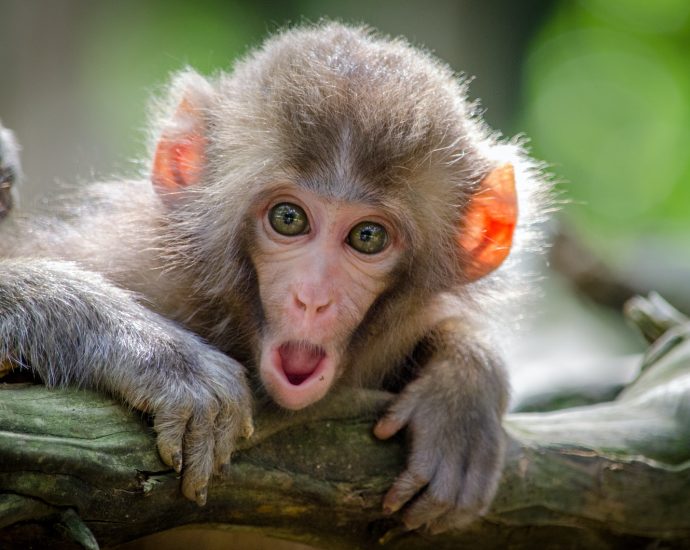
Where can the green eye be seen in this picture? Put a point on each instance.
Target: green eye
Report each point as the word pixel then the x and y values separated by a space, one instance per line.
pixel 368 238
pixel 288 219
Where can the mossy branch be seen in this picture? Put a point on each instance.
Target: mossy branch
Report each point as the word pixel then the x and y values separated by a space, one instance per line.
pixel 77 468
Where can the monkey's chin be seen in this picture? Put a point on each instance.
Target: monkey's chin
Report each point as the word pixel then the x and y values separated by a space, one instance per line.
pixel 292 391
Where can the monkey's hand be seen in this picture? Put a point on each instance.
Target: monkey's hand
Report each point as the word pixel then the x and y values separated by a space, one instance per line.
pixel 200 417
pixel 453 413
pixel 74 327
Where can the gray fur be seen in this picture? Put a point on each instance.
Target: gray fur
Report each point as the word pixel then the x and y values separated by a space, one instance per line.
pixel 157 300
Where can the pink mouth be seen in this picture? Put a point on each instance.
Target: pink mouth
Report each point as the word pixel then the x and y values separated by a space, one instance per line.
pixel 300 360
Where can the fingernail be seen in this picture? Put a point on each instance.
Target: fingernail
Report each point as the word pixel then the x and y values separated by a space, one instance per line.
pixel 248 429
pixel 392 507
pixel 393 534
pixel 201 495
pixel 391 502
pixel 177 461
pixel 385 428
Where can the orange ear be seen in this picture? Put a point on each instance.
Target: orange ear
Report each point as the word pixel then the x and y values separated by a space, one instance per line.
pixel 180 153
pixel 487 232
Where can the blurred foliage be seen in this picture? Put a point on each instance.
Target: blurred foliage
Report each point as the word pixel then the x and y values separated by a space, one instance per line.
pixel 601 88
pixel 128 49
pixel 607 104
pixel 133 47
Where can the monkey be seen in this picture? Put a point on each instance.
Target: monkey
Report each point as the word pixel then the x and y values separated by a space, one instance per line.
pixel 331 212
pixel 10 171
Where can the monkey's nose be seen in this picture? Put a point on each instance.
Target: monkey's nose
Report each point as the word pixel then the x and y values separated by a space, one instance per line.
pixel 312 305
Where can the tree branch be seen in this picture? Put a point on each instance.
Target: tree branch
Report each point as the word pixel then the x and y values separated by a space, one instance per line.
pixel 77 467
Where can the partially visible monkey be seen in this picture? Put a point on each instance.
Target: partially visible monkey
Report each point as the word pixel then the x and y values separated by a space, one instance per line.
pixel 10 171
pixel 313 218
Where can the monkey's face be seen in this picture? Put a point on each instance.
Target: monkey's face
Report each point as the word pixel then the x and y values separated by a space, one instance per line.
pixel 320 263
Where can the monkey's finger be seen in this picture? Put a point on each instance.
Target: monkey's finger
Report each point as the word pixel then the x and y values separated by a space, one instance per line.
pixel 243 411
pixel 478 475
pixel 170 428
pixel 228 428
pixel 426 509
pixel 397 417
pixel 248 427
pixel 199 443
pixel 454 519
pixel 399 413
pixel 232 423
pixel 388 427
pixel 478 483
pixel 406 486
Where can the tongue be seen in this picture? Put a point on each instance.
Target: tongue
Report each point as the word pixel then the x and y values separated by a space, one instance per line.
pixel 299 361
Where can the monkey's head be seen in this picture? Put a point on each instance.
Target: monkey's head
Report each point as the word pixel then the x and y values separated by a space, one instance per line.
pixel 341 168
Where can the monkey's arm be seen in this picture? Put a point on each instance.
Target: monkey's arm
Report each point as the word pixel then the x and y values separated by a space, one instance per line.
pixel 73 327
pixel 453 412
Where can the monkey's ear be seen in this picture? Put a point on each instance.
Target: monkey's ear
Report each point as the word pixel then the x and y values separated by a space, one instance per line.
pixel 487 233
pixel 181 150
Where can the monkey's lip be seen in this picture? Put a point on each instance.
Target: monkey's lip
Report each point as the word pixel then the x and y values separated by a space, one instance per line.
pixel 300 360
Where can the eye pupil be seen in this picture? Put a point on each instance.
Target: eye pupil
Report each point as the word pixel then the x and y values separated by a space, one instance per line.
pixel 288 219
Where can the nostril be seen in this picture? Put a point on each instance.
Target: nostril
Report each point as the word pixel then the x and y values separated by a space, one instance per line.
pixel 300 304
pixel 322 308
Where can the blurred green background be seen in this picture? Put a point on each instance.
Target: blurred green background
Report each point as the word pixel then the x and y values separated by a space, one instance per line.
pixel 601 87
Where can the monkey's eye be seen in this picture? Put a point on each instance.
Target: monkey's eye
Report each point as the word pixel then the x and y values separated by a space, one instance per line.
pixel 368 238
pixel 288 219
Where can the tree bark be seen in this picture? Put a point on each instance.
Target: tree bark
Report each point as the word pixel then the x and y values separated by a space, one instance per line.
pixel 77 467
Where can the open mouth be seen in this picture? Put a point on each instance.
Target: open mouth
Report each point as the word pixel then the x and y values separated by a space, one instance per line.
pixel 300 360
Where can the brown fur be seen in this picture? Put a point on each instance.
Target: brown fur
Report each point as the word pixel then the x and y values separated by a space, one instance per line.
pixel 351 117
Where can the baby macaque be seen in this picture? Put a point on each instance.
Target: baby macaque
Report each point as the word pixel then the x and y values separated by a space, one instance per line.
pixel 312 219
